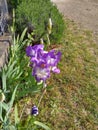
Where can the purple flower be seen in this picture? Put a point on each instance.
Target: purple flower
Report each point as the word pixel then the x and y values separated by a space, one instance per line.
pixel 43 62
pixel 34 111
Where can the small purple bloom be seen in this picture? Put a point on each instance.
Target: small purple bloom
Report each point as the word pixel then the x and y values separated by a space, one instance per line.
pixel 34 111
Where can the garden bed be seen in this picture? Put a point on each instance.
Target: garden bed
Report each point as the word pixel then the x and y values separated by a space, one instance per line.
pixel 64 101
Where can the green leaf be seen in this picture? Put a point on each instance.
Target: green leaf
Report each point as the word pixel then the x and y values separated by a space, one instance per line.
pixel 23 34
pixel 5 106
pixel 10 69
pixel 1 112
pixel 11 103
pixel 13 97
pixel 12 127
pixel 3 80
pixel 16 115
pixel 41 125
pixel 17 39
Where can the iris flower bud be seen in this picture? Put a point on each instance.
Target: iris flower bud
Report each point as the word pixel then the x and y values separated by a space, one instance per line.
pixel 41 41
pixel 49 27
pixel 34 111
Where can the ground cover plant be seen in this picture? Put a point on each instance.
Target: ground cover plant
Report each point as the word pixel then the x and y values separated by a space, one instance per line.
pixel 35 15
pixel 13 3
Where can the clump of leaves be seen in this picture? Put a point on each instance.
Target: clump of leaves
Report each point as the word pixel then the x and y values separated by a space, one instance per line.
pixel 13 3
pixel 36 14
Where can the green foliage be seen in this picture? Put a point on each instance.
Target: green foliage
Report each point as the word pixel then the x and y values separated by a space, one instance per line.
pixel 18 72
pixel 5 109
pixel 37 13
pixel 27 84
pixel 16 77
pixel 32 124
pixel 13 3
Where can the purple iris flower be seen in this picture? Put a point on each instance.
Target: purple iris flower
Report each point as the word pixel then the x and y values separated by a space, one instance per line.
pixel 34 111
pixel 43 62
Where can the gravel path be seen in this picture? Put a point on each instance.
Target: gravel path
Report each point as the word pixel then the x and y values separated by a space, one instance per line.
pixel 83 12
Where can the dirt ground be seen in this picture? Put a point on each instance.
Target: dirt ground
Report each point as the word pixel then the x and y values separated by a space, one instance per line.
pixel 83 12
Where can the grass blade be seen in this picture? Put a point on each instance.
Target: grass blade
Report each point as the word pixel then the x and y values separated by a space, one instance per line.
pixel 41 125
pixel 16 115
pixel 1 112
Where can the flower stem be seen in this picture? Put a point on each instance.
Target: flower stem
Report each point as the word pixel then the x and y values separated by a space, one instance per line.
pixel 44 91
pixel 48 39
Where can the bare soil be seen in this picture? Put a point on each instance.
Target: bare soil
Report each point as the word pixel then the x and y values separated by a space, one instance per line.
pixel 83 12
